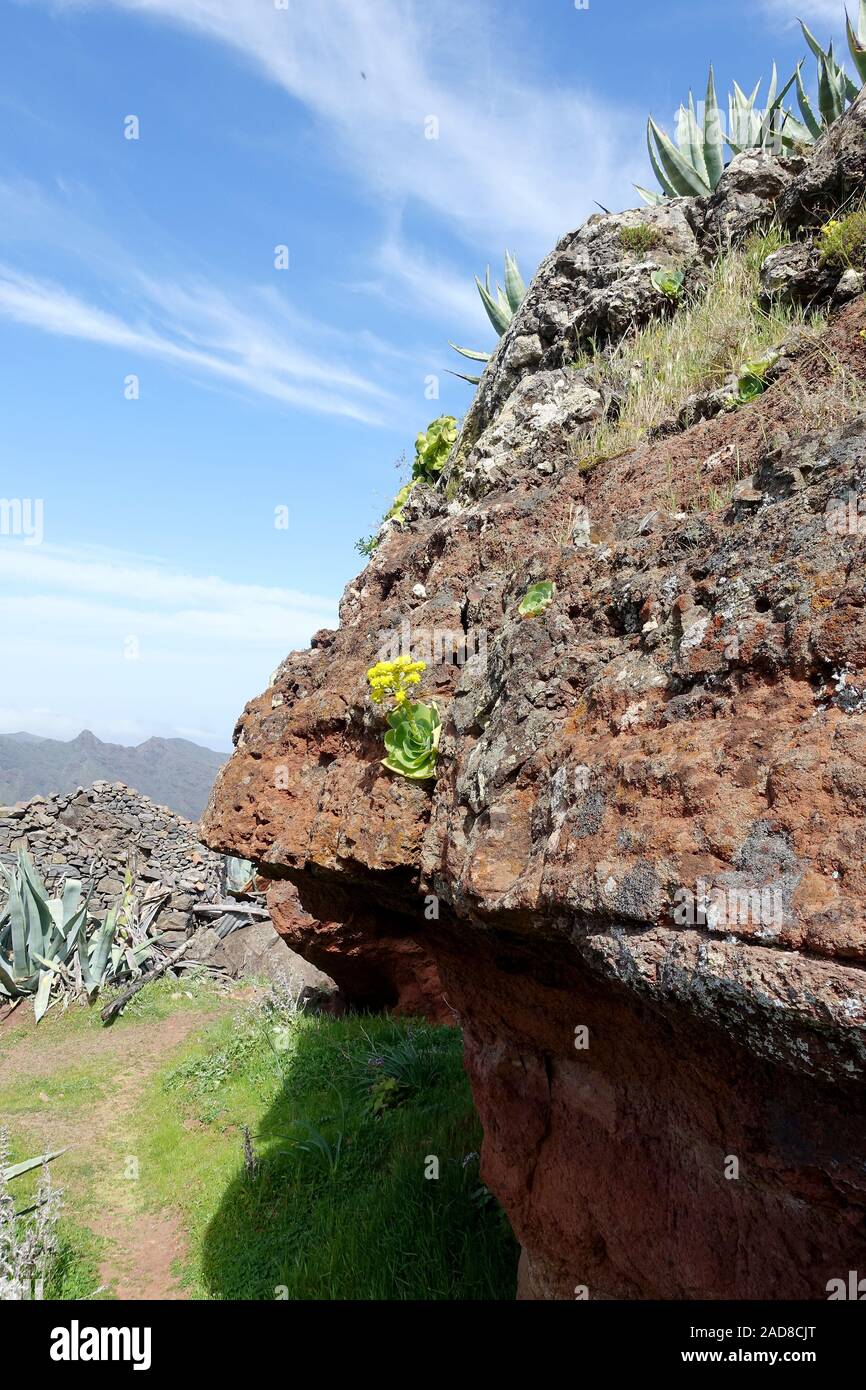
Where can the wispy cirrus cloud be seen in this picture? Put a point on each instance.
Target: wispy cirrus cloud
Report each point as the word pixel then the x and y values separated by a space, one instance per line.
pixel 515 155
pixel 145 635
pixel 207 334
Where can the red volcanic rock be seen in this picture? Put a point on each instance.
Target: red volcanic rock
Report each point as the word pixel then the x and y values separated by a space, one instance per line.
pixel 379 963
pixel 639 876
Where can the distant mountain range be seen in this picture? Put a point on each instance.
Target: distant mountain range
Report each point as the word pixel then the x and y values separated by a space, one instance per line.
pixel 172 771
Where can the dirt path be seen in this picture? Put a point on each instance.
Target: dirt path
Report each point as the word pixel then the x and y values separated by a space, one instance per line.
pixel 142 1247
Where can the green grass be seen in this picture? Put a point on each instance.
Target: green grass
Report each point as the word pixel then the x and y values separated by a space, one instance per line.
pixel 68 1091
pixel 639 238
pixel 75 1272
pixel 338 1207
pixel 155 1002
pixel 344 1116
pixel 710 336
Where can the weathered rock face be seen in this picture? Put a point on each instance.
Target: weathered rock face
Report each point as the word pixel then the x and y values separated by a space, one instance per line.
pixel 639 878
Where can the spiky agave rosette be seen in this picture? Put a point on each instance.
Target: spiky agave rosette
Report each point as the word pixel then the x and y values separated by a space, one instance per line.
pixel 412 741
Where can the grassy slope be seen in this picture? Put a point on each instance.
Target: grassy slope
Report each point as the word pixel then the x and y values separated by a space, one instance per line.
pixel 710 336
pixel 338 1207
pixel 348 1215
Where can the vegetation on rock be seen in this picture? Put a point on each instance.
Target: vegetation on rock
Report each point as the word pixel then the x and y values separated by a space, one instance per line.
pixel 693 163
pixel 537 597
pixel 500 310
pixel 412 740
pixel 843 241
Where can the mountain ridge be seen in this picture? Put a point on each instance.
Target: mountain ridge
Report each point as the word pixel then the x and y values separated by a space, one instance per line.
pixel 174 772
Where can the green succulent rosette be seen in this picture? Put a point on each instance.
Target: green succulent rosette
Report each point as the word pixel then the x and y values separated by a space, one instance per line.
pixel 412 741
pixel 537 597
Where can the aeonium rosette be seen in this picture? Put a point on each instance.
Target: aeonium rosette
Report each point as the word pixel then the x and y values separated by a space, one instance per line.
pixel 412 740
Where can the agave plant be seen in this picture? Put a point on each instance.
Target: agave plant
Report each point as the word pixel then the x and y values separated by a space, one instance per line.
pixel 38 935
pixel 51 945
pixel 500 310
pixel 835 88
pixel 412 741
pixel 857 40
pixel 693 166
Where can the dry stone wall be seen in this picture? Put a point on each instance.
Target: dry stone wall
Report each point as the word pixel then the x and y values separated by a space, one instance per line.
pixel 97 831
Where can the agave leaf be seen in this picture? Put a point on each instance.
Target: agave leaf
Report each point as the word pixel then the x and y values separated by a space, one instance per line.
pixel 714 145
pixel 43 994
pixel 494 311
pixel 15 1170
pixel 774 83
pixel 686 180
pixel 468 352
pixel 514 286
pixel 857 42
pixel 18 924
pixel 689 140
pixel 8 986
pixel 71 900
pixel 795 133
pixel 669 190
pixel 462 376
pixel 653 199
pixel 812 41
pixel 38 922
pixel 813 124
pixel 94 960
pixel 774 107
pixel 831 95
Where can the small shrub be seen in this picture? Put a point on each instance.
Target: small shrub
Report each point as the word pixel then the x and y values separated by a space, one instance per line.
pixel 843 242
pixel 639 238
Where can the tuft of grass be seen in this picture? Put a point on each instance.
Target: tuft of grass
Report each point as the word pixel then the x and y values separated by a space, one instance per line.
pixel 843 241
pixel 707 340
pixel 639 238
pixel 74 1272
pixel 326 1197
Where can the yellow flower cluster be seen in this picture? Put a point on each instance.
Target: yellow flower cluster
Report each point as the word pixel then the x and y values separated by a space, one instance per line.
pixel 829 227
pixel 394 678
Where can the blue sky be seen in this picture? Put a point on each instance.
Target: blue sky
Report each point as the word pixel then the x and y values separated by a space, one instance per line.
pixel 162 593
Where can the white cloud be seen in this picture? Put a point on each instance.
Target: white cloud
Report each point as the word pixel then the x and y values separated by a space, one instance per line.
pixel 517 157
pixel 94 636
pixel 204 332
pixel 826 11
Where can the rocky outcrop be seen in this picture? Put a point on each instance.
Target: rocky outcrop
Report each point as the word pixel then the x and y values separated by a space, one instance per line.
pixel 638 881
